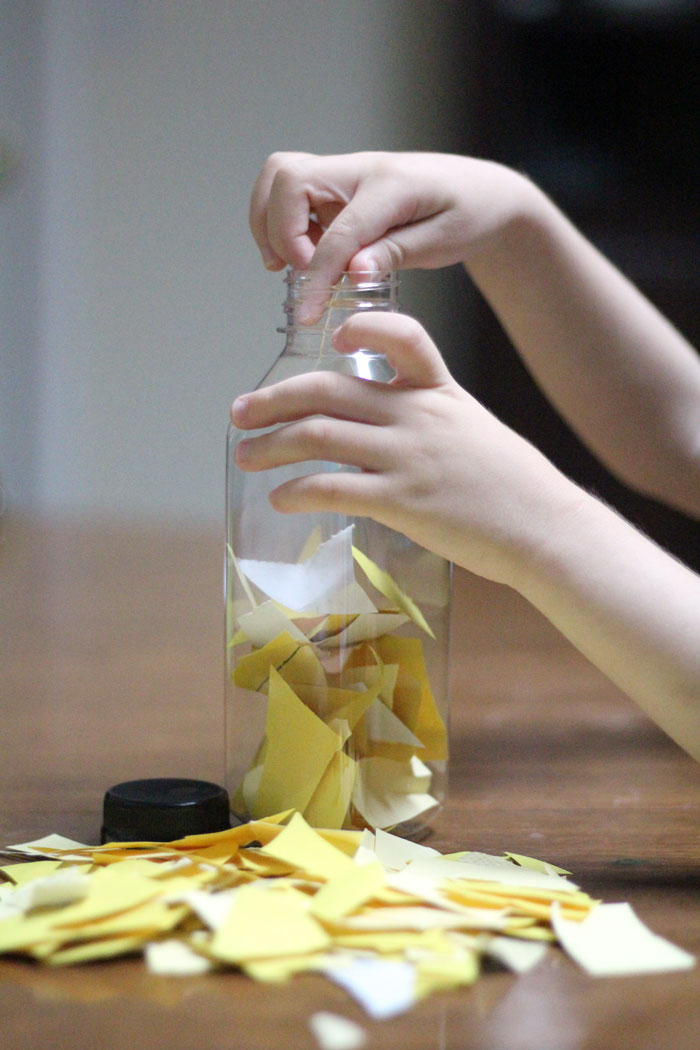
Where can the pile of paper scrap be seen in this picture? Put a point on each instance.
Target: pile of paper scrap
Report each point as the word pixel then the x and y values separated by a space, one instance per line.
pixel 388 919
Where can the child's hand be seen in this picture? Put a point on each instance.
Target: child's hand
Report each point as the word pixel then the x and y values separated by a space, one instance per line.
pixel 433 463
pixel 378 212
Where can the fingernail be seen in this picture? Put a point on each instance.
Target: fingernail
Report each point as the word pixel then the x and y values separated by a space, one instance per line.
pixel 238 409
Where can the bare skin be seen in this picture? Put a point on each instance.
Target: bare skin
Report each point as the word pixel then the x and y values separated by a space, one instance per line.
pixel 435 464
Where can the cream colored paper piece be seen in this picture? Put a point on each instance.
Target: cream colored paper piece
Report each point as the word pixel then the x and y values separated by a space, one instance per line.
pixel 51 891
pixel 333 1032
pixel 483 867
pixel 383 725
pixel 383 796
pixel 175 958
pixel 48 846
pixel 394 853
pixel 266 622
pixel 613 942
pixel 241 576
pixel 536 865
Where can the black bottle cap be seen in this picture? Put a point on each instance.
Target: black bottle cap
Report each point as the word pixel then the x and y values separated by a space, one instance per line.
pixel 163 809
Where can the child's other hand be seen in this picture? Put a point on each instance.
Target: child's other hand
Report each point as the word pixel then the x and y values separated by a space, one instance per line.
pixel 378 212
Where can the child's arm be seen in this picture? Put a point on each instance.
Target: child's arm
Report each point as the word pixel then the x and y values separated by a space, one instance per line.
pixel 440 468
pixel 626 381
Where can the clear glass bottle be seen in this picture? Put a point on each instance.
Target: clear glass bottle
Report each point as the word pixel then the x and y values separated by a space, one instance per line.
pixel 337 631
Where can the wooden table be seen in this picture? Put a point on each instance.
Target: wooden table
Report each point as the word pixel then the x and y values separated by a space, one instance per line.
pixel 111 668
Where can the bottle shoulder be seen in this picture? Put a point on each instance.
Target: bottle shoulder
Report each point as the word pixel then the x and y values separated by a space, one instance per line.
pixel 362 364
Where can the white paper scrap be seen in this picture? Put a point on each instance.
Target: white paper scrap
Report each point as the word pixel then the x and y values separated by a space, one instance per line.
pixel 613 942
pixel 173 958
pixel 52 891
pixel 304 585
pixel 333 1032
pixel 383 987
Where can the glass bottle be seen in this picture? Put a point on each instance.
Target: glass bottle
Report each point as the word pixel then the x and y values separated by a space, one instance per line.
pixel 337 630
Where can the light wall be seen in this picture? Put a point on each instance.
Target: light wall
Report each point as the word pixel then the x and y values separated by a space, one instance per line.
pixel 134 306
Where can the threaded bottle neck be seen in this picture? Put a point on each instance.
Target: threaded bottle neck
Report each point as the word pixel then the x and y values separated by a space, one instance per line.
pixel 354 293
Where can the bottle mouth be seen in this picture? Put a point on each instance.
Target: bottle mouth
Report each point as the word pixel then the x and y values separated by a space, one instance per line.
pixel 349 280
pixel 354 292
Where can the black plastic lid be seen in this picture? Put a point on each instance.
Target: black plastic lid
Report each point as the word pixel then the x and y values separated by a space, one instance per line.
pixel 163 809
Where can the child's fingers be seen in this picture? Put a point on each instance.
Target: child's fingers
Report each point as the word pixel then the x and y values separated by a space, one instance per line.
pixel 325 393
pixel 317 438
pixel 408 347
pixel 293 241
pixel 342 492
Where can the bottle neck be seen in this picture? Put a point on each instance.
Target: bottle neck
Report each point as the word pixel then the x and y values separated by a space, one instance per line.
pixel 354 293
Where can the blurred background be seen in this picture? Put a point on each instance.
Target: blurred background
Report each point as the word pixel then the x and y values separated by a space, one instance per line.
pixel 133 305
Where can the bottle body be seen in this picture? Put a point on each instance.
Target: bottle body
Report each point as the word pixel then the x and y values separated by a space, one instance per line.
pixel 337 634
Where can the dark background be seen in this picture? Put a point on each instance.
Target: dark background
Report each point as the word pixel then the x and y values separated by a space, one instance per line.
pixel 600 104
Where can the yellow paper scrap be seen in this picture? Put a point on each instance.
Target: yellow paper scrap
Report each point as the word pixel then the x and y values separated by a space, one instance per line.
pixel 308 851
pixel 387 586
pixel 345 892
pixel 299 748
pixel 264 923
pixel 329 803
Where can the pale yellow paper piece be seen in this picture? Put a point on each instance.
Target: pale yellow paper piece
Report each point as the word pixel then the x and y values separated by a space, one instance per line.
pixel 383 725
pixel 308 851
pixel 364 628
pixel 267 622
pixel 536 865
pixel 253 670
pixel 380 796
pixel 613 942
pixel 264 923
pixel 387 586
pixel 347 891
pixel 30 870
pixel 51 846
pixel 440 972
pixel 93 951
pixel 241 576
pixel 280 968
pixel 329 802
pixel 299 748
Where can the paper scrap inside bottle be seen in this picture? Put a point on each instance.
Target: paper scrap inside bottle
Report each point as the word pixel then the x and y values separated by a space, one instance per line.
pixel 351 721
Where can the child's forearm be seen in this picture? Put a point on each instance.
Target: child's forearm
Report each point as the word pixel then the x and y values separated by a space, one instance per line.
pixel 622 376
pixel 627 605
